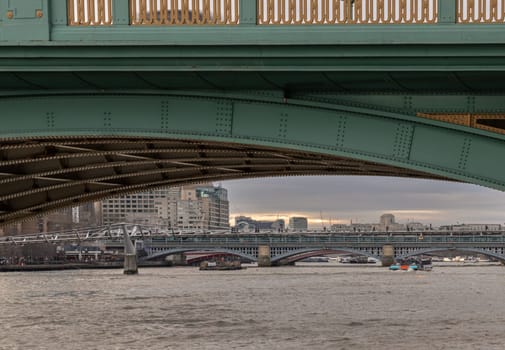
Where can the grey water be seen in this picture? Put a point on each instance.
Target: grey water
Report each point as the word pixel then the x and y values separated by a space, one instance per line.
pixel 309 307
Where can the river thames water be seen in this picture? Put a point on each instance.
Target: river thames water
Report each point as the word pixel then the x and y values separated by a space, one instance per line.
pixel 302 307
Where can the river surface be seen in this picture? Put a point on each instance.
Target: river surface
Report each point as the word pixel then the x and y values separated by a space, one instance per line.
pixel 302 307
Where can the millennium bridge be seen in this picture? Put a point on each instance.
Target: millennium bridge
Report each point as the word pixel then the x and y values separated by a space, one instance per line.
pixel 156 243
pixel 104 97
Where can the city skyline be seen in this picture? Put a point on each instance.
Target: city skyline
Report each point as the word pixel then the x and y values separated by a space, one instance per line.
pixel 363 199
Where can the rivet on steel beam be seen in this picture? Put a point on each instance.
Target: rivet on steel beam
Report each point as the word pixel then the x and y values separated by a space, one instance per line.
pixel 10 14
pixel 39 13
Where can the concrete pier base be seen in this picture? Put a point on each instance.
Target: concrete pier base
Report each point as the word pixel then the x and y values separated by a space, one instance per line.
pixel 388 255
pixel 130 255
pixel 264 259
pixel 130 264
pixel 179 259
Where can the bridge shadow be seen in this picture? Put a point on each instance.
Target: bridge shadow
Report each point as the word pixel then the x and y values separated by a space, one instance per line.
pixel 299 254
pixel 205 252
pixel 435 251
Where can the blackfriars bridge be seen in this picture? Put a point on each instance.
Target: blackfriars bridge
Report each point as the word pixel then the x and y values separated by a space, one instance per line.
pixel 283 248
pixel 289 248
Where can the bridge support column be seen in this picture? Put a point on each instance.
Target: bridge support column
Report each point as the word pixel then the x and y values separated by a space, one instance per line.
pixel 179 259
pixel 388 255
pixel 130 255
pixel 264 259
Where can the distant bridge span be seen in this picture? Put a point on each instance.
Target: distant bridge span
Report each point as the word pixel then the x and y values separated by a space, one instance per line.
pixel 294 247
pixel 489 252
pixel 159 243
pixel 300 254
pixel 211 251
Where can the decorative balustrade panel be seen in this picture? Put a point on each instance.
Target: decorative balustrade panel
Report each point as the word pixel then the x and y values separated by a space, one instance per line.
pixel 89 12
pixel 481 11
pixel 184 12
pixel 226 12
pixel 347 11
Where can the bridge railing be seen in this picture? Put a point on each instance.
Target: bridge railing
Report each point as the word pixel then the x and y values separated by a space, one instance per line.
pixel 379 239
pixel 347 11
pixel 89 12
pixel 283 12
pixel 156 235
pixel 481 11
pixel 184 12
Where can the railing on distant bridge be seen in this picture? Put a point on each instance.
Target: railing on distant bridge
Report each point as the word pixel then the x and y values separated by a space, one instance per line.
pixel 157 235
pixel 377 238
pixel 282 12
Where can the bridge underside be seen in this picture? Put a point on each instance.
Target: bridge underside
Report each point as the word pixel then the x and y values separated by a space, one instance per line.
pixel 304 77
pixel 496 252
pixel 38 175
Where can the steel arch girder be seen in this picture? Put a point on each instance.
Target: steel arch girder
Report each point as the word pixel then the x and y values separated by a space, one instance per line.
pixel 462 249
pixel 277 258
pixel 173 251
pixel 447 150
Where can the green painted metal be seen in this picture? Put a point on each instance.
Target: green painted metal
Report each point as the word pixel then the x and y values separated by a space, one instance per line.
pixel 52 27
pixel 58 13
pixel 25 24
pixel 283 35
pixel 451 151
pixel 447 12
pixel 350 91
pixel 248 13
pixel 120 13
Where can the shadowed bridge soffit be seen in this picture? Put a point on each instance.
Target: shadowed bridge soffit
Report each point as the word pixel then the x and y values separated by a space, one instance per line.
pixel 41 175
pixel 293 81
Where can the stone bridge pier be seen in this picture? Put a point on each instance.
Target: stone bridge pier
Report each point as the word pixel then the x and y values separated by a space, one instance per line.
pixel 179 259
pixel 388 255
pixel 130 255
pixel 264 258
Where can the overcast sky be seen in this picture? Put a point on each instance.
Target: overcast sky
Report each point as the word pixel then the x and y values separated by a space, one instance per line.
pixel 363 199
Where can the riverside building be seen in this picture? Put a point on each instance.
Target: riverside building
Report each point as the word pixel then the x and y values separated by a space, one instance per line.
pixel 248 224
pixel 297 223
pixel 194 207
pixel 88 214
pixel 471 227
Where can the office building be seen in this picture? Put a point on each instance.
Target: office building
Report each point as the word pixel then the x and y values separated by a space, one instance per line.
pixel 193 207
pixel 298 223
pixel 248 224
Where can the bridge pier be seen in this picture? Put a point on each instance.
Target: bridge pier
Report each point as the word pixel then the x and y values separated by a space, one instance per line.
pixel 179 259
pixel 388 255
pixel 264 259
pixel 130 255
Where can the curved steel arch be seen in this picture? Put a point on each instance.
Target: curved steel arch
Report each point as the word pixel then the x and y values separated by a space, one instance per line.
pixel 277 258
pixel 210 250
pixel 60 150
pixel 470 250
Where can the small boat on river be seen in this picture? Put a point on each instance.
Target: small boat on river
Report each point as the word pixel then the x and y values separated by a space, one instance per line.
pixel 220 265
pixel 413 264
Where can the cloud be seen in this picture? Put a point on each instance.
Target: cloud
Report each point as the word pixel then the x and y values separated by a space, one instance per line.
pixel 364 199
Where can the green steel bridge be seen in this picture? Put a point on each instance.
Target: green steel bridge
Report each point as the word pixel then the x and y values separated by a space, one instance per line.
pixel 104 97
